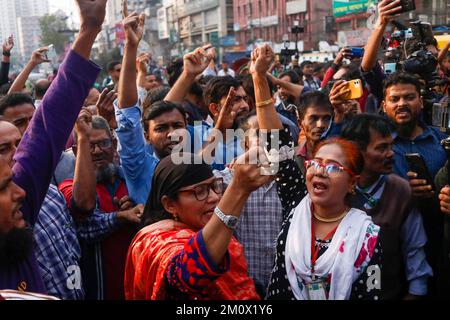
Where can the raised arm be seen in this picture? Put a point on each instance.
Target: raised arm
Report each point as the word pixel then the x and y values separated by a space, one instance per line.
pixel 294 89
pixel 142 63
pixel 246 179
pixel 137 164
pixel 224 122
pixel 38 57
pixel 265 107
pixel 84 183
pixel 6 58
pixel 290 181
pixel 134 25
pixel 105 107
pixel 194 64
pixel 43 142
pixel 387 12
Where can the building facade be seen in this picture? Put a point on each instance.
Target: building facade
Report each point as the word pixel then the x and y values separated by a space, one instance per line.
pixel 187 24
pixel 354 19
pixel 272 21
pixel 29 34
pixel 20 18
pixel 8 25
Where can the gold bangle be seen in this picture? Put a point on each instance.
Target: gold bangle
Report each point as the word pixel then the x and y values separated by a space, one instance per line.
pixel 264 103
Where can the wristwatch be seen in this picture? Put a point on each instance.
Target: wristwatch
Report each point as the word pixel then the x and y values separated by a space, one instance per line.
pixel 230 221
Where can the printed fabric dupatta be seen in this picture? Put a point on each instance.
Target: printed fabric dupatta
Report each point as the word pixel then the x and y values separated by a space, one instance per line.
pixel 151 252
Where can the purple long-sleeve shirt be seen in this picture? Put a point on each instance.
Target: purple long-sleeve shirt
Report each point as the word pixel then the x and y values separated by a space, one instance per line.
pixel 39 153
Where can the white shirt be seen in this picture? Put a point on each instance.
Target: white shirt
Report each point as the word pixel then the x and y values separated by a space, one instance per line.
pixel 230 72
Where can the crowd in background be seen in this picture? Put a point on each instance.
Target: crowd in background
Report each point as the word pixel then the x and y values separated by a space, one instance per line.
pixel 348 197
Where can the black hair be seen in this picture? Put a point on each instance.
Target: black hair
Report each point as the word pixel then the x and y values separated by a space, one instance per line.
pixel 159 108
pixel 154 95
pixel 5 88
pixel 249 87
pixel 14 99
pixel 318 67
pixel 359 128
pixel 313 99
pixel 305 63
pixel 401 78
pixel 295 78
pixel 112 65
pixel 174 70
pixel 218 87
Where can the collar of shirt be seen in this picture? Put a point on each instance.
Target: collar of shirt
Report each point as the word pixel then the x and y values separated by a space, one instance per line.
pixel 426 134
pixel 302 148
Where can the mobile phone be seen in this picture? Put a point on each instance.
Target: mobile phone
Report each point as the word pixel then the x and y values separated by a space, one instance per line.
pixel 390 68
pixel 357 52
pixel 417 164
pixel 407 6
pixel 356 89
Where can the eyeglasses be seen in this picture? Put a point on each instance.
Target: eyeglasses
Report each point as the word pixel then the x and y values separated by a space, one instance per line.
pixel 104 144
pixel 329 169
pixel 201 191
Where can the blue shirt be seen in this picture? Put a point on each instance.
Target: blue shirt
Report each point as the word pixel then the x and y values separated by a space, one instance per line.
pixel 57 247
pixel 137 164
pixel 417 269
pixel 428 145
pixel 224 153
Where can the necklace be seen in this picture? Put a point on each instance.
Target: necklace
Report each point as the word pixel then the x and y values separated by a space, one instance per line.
pixel 330 220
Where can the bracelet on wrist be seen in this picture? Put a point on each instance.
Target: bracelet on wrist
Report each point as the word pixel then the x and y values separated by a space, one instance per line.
pixel 264 103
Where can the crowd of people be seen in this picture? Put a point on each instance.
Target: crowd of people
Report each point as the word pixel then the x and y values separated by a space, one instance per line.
pixel 247 184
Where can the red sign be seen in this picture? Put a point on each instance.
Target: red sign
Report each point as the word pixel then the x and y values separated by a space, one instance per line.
pixel 120 34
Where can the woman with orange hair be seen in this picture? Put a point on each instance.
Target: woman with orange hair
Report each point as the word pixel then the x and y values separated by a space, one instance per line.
pixel 326 250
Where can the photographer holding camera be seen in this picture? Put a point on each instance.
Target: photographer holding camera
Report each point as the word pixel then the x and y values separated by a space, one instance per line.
pixel 403 100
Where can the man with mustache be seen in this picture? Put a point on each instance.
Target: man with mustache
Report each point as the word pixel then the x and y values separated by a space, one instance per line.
pixel 229 146
pixel 98 184
pixel 314 118
pixel 403 105
pixel 23 188
pixel 405 270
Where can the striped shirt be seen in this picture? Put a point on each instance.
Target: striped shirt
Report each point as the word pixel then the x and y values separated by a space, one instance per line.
pixel 258 228
pixel 57 247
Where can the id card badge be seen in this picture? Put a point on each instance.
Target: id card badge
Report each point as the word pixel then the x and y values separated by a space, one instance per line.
pixel 316 290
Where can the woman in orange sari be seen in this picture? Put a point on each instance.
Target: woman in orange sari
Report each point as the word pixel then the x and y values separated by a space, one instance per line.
pixel 187 249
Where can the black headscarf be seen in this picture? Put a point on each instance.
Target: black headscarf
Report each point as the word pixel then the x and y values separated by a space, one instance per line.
pixel 168 179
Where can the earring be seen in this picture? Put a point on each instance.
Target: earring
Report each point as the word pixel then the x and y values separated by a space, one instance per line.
pixel 175 217
pixel 353 191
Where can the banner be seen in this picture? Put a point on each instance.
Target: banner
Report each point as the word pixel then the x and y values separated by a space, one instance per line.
pixel 346 7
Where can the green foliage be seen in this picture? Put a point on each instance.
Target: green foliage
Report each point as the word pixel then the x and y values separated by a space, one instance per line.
pixel 52 28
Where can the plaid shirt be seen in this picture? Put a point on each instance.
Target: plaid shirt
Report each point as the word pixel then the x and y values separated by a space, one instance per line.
pixel 57 247
pixel 258 228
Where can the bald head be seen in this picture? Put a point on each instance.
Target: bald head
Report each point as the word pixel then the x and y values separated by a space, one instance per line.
pixel 41 88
